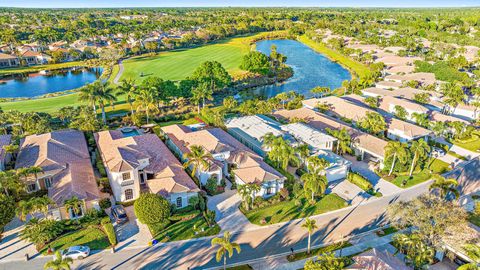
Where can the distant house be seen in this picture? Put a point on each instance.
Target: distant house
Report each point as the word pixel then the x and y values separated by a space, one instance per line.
pixel 67 170
pixel 394 60
pixel 375 259
pixel 33 47
pixel 230 158
pixel 58 44
pixel 137 162
pixel 423 78
pixel 400 69
pixel 8 61
pixel 352 107
pixel 389 103
pixel 251 129
pixel 468 177
pixel 388 85
pixel 35 58
pixel 365 146
pixel 465 111
pixel 4 156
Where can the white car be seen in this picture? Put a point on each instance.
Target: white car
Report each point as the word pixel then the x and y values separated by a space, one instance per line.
pixel 76 252
pixel 437 152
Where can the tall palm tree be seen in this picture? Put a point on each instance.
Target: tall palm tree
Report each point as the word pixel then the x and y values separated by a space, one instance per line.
pixel 283 97
pixel 344 140
pixel 245 193
pixel 74 204
pixel 419 149
pixel 24 208
pixel 313 184
pixel 146 100
pixel 105 95
pixel 58 263
pixel 302 151
pixel 229 103
pixel 310 225
pixel 445 186
pixel 127 87
pixel 202 92
pixel 226 247
pixel 89 94
pixel 197 158
pixel 398 151
pixel 40 204
pixel 317 165
pixel 9 180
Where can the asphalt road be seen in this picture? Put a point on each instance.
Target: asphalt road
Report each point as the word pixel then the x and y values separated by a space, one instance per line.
pixel 255 244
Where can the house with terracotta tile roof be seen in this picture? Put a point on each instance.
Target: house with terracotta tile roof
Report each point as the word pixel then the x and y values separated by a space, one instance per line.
pixel 394 60
pixel 231 157
pixel 4 156
pixel 35 58
pixel 375 259
pixel 8 60
pixel 365 146
pixel 424 78
pixel 353 108
pixel 67 170
pixel 389 103
pixel 465 111
pixel 388 85
pixel 400 69
pixel 137 163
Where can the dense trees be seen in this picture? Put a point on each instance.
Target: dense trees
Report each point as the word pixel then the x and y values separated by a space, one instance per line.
pixel 373 123
pixel 256 62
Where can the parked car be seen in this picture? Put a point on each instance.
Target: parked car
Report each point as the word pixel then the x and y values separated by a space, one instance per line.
pixel 437 152
pixel 119 214
pixel 76 252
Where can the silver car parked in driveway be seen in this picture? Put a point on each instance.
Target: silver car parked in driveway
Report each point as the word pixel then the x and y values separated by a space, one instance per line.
pixel 76 252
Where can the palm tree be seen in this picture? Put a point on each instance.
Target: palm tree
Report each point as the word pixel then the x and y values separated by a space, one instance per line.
pixel 229 103
pixel 283 97
pixel 445 186
pixel 313 184
pixel 317 165
pixel 89 94
pixel 226 247
pixel 198 158
pixel 398 151
pixel 146 100
pixel 59 263
pixel 202 92
pixel 9 180
pixel 11 149
pixel 245 193
pixel 74 204
pixel 419 149
pixel 105 94
pixel 302 151
pixel 469 266
pixel 24 208
pixel 319 90
pixel 40 204
pixel 310 225
pixel 344 140
pixel 373 122
pixel 127 87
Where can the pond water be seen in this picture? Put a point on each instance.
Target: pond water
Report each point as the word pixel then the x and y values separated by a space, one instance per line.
pixel 36 84
pixel 310 68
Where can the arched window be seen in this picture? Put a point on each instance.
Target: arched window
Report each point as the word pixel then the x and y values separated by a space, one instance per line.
pixel 179 202
pixel 128 194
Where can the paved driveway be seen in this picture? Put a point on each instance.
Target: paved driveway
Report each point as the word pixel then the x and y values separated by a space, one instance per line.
pixel 228 216
pixel 12 247
pixel 365 169
pixel 133 233
pixel 348 191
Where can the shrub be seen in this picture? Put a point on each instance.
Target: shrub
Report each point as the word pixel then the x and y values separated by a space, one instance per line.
pixel 151 208
pixel 109 231
pixel 211 186
pixel 7 210
pixel 105 203
pixel 42 231
pixel 105 184
pixel 284 194
pixel 359 180
pixel 209 216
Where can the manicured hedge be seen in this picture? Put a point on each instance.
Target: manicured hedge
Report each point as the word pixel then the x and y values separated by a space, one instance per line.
pixel 109 231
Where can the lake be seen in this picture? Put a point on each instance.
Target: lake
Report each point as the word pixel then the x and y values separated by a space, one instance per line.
pixel 310 68
pixel 36 84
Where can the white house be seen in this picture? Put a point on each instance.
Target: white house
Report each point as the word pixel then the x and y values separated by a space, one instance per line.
pixel 389 105
pixel 237 162
pixel 137 162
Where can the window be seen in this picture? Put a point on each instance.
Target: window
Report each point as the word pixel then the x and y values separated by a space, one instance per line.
pixel 128 194
pixel 32 187
pixel 48 182
pixel 126 176
pixel 269 190
pixel 179 202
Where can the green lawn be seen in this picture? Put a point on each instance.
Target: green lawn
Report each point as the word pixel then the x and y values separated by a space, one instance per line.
pixel 183 229
pixel 317 251
pixel 472 144
pixel 439 166
pixel 287 210
pixel 176 65
pixel 475 219
pixel 358 68
pixel 415 180
pixel 240 267
pixel 30 69
pixel 94 238
pixel 453 154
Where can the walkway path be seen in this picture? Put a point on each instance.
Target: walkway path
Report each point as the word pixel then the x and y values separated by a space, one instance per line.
pixel 119 73
pixel 12 247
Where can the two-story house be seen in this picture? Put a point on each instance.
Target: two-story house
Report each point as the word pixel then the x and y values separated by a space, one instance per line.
pixel 233 158
pixel 67 170
pixel 137 163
